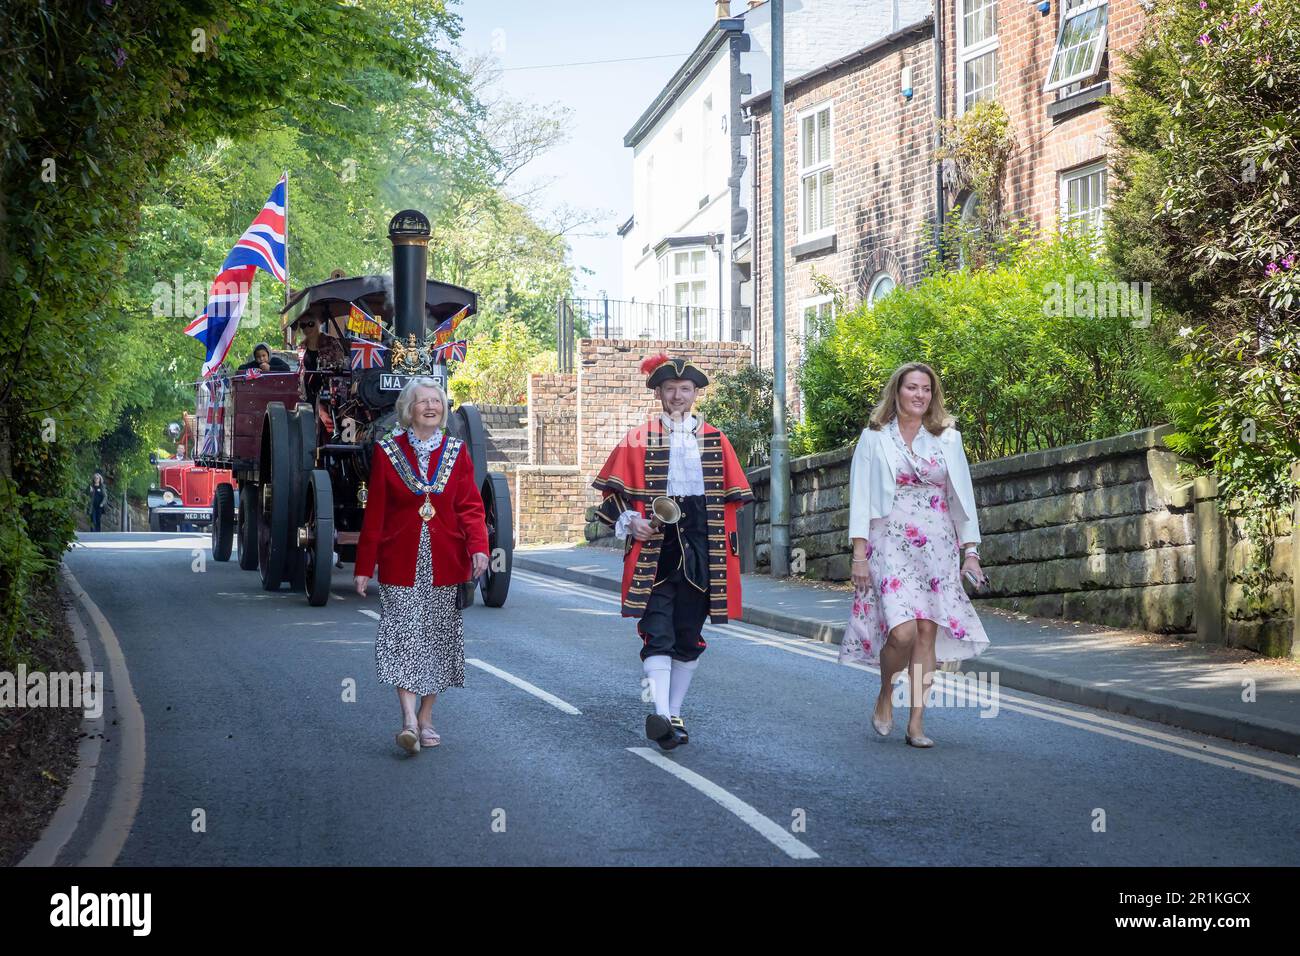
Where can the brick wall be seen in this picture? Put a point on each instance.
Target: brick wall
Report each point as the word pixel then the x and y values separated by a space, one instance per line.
pixel 1046 146
pixel 553 419
pixel 612 397
pixel 543 504
pixel 576 419
pixel 884 172
pixel 884 186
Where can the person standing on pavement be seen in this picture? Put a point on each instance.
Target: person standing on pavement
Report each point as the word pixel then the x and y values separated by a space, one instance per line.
pixel 424 524
pixel 911 521
pixel 675 574
pixel 98 501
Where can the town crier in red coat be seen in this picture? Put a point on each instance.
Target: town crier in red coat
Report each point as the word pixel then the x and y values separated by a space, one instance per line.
pixel 424 525
pixel 672 487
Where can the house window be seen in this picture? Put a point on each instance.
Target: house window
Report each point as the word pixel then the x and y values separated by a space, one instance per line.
pixel 977 51
pixel 816 175
pixel 683 287
pixel 1083 200
pixel 817 315
pixel 881 285
pixel 1079 44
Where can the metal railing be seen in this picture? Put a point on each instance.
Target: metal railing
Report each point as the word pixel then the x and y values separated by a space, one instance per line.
pixel 620 319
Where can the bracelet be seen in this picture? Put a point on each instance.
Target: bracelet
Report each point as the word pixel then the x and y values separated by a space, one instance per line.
pixel 972 553
pixel 860 560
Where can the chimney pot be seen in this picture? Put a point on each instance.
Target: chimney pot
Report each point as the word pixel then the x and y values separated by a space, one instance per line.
pixel 724 9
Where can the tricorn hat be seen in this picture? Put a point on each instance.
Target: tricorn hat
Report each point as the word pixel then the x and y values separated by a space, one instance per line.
pixel 660 368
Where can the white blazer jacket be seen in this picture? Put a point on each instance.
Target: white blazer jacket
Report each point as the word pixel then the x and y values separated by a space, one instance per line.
pixel 873 477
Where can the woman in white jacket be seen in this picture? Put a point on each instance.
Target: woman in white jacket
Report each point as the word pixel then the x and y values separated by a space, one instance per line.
pixel 911 517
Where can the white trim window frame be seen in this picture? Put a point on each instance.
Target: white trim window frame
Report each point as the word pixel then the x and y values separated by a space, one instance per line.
pixel 817 172
pixel 1080 44
pixel 1093 188
pixel 873 294
pixel 687 287
pixel 822 308
pixel 983 47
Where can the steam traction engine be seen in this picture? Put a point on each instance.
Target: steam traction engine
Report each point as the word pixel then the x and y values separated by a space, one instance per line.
pixel 302 468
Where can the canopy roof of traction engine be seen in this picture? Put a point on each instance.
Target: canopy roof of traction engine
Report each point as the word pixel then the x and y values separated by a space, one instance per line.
pixel 333 299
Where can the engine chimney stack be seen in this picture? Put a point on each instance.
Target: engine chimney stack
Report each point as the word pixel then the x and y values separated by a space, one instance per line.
pixel 409 233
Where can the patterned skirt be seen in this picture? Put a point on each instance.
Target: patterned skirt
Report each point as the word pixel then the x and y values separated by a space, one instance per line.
pixel 420 645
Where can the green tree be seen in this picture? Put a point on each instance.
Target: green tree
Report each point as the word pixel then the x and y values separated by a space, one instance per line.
pixel 98 99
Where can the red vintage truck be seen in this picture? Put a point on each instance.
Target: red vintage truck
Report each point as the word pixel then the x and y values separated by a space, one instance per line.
pixel 182 498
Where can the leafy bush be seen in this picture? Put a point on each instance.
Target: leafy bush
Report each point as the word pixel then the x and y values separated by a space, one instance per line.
pixel 1208 181
pixel 740 403
pixel 497 366
pixel 1208 168
pixel 1031 354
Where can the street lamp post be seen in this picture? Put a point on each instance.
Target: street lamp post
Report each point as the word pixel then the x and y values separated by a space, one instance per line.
pixel 779 505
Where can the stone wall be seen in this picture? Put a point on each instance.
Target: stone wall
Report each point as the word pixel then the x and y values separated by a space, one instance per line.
pixel 1105 532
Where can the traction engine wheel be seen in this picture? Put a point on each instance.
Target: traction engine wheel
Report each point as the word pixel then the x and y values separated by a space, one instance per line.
pixel 223 521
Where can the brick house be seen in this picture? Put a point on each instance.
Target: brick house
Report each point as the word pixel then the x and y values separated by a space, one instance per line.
pixel 863 195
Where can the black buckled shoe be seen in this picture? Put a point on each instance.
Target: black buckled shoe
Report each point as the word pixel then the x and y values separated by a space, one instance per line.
pixel 661 731
pixel 682 736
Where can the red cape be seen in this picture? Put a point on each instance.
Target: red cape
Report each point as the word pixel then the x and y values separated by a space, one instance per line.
pixel 636 472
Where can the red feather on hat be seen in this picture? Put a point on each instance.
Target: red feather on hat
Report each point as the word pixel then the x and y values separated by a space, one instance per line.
pixel 653 362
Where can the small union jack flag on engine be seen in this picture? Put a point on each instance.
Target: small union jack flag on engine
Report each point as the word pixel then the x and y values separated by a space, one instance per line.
pixel 368 355
pixel 451 352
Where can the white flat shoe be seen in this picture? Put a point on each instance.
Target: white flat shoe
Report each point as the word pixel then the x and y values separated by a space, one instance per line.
pixel 883 727
pixel 922 741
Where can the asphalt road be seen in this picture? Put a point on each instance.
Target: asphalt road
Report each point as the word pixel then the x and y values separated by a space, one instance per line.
pixel 242 693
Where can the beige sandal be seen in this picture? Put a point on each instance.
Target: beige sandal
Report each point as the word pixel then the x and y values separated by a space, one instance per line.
pixel 408 740
pixel 429 737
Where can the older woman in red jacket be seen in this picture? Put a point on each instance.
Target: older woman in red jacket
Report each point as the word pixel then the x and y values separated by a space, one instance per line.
pixel 424 524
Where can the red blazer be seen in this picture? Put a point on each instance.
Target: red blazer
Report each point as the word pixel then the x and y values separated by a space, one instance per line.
pixel 391 529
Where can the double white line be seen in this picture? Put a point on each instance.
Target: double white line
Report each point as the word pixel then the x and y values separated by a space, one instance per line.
pixel 1208 753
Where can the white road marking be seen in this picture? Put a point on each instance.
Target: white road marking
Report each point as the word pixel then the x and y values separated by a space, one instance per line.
pixel 1069 716
pixel 777 835
pixel 368 613
pixel 128 782
pixel 67 817
pixel 524 685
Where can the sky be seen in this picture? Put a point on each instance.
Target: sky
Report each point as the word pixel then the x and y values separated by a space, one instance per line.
pixel 593 169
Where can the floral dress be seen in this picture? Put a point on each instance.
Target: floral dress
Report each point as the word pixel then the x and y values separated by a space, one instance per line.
pixel 914 557
pixel 420 643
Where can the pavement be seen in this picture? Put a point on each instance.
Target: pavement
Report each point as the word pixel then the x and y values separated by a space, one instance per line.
pixel 245 727
pixel 1235 695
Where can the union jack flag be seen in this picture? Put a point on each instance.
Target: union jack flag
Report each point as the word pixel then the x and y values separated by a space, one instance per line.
pixel 451 352
pixel 262 246
pixel 215 420
pixel 443 333
pixel 368 354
